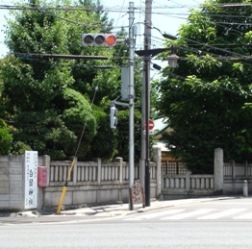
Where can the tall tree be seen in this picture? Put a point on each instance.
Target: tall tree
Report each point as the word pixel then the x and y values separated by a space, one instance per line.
pixel 46 112
pixel 5 133
pixel 208 97
pixel 58 99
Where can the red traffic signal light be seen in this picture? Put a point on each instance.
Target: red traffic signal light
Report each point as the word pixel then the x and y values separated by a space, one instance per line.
pixel 108 40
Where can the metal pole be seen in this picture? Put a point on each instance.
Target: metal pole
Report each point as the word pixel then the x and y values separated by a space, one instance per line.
pixel 131 100
pixel 147 46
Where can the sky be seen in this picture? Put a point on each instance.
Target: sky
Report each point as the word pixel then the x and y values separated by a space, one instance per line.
pixel 167 16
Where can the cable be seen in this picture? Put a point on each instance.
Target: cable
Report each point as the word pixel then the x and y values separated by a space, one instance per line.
pixel 120 12
pixel 202 44
pixel 85 124
pixel 176 76
pixel 195 43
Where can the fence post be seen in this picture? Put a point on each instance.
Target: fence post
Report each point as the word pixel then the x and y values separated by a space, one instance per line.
pixel 188 181
pixel 99 175
pixel 157 156
pixel 75 171
pixel 120 159
pixel 233 170
pixel 120 194
pixel 245 188
pixel 218 171
pixel 246 169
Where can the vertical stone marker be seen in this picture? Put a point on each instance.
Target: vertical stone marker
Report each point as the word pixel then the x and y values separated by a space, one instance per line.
pixel 31 181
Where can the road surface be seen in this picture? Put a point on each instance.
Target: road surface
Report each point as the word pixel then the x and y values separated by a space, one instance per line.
pixel 225 224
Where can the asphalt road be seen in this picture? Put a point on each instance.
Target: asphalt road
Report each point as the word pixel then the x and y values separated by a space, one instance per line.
pixel 133 235
pixel 217 224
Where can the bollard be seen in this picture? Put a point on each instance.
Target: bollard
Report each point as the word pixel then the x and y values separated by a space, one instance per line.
pixel 245 188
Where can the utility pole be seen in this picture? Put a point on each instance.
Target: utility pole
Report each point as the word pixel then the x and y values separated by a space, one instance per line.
pixel 131 100
pixel 146 101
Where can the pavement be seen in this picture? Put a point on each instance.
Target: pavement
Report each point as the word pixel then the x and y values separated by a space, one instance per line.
pixel 95 212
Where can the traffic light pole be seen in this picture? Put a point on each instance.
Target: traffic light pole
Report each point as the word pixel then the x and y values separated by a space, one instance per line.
pixel 131 101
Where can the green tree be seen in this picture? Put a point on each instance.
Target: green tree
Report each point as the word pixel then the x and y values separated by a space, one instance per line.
pixel 57 99
pixel 208 97
pixel 6 137
pixel 5 134
pixel 45 111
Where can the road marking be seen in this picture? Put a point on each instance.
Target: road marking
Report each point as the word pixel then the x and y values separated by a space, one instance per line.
pixel 243 216
pixel 156 214
pixel 188 214
pixel 222 214
pixel 198 214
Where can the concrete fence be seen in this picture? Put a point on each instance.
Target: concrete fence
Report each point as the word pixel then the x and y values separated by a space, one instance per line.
pixel 93 182
pixel 228 178
pixel 100 182
pixel 188 184
pixel 236 175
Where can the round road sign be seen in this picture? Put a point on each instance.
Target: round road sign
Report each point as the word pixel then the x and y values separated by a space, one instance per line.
pixel 151 124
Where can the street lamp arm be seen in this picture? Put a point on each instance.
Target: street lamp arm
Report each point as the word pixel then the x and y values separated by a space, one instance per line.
pixel 168 36
pixel 151 52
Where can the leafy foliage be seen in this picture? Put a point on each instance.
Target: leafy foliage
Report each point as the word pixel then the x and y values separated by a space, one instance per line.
pixel 5 138
pixel 208 97
pixel 52 105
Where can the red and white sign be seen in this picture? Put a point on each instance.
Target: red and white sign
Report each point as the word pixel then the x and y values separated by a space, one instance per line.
pixel 42 176
pixel 151 125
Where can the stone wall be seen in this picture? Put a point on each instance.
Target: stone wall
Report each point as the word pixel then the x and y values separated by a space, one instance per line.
pixel 11 183
pixel 91 183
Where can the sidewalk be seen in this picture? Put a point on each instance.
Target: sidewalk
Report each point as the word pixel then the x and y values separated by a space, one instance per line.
pixel 123 209
pixel 104 211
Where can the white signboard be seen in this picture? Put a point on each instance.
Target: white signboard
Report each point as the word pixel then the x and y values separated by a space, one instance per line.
pixel 31 186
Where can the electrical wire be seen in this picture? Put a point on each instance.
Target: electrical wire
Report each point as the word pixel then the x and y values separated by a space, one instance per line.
pixel 208 46
pixel 121 15
pixel 196 43
pixel 85 124
pixel 244 92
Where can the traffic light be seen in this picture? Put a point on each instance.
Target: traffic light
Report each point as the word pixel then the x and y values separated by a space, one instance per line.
pixel 113 118
pixel 107 40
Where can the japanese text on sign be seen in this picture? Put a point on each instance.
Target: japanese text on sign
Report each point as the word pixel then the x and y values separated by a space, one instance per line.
pixel 31 189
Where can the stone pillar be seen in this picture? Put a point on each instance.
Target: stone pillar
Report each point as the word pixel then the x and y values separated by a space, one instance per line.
pixel 245 188
pixel 157 157
pixel 99 176
pixel 218 171
pixel 120 193
pixel 188 181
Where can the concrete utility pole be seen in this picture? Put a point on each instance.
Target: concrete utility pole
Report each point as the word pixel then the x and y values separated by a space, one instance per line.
pixel 131 100
pixel 145 150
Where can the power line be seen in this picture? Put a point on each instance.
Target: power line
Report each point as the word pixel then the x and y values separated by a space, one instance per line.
pixel 97 25
pixel 110 9
pixel 232 4
pixel 60 56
